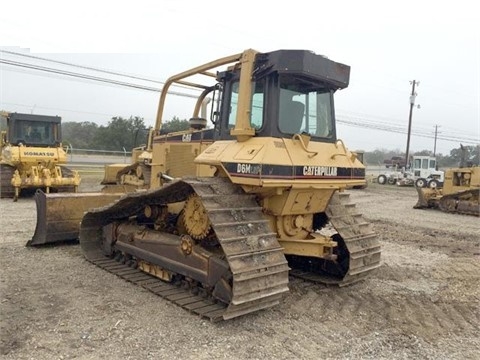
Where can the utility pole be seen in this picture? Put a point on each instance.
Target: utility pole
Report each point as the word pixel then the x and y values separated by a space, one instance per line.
pixel 435 143
pixel 413 95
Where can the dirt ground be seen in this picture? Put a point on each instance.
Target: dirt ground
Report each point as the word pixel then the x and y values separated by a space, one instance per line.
pixel 422 303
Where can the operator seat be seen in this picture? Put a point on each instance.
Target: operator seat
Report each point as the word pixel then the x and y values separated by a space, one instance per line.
pixel 291 117
pixel 36 137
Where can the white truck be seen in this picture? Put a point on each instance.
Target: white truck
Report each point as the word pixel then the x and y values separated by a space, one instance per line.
pixel 421 173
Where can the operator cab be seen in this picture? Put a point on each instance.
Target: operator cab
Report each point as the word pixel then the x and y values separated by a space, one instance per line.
pixel 34 130
pixel 290 96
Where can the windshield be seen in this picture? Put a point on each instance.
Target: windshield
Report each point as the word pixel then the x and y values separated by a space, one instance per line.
pixel 303 107
pixel 33 132
pixel 305 111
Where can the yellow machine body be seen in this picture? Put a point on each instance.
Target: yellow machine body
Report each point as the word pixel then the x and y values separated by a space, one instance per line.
pixel 231 210
pixel 460 192
pixel 32 156
pixel 137 173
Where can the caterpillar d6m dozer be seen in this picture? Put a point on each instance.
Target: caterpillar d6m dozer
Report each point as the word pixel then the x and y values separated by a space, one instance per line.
pixel 460 193
pixel 232 210
pixel 32 156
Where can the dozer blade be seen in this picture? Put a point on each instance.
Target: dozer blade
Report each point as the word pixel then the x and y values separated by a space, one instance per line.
pixel 427 198
pixel 111 173
pixel 59 215
pixel 120 189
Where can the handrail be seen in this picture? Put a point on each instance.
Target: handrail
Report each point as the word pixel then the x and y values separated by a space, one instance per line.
pixel 300 139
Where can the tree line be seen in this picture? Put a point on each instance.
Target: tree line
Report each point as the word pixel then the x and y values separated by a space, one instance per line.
pixel 121 133
pixel 117 135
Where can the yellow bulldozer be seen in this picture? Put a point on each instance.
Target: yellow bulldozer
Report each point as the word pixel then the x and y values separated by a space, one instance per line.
pixel 460 193
pixel 32 156
pixel 234 208
pixel 136 175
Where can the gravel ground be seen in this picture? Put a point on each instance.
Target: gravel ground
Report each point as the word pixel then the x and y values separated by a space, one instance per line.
pixel 422 303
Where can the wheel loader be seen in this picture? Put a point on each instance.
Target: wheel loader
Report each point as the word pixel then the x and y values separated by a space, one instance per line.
pixel 32 156
pixel 460 193
pixel 237 206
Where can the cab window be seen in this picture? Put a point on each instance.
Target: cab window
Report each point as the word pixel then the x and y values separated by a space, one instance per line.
pixel 257 105
pixel 304 111
pixel 34 132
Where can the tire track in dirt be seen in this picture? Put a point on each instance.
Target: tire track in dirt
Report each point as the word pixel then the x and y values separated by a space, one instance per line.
pixel 415 312
pixel 407 294
pixel 427 283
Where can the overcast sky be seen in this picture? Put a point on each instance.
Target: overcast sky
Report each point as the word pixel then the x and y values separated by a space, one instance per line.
pixel 386 44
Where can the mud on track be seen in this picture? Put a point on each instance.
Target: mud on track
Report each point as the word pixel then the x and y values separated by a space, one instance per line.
pixel 422 303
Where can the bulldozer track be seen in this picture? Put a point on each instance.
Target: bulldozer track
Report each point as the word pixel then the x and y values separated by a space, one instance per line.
pixel 458 204
pixel 177 294
pixel 357 233
pixel 360 240
pixel 258 266
pixel 259 271
pixel 6 188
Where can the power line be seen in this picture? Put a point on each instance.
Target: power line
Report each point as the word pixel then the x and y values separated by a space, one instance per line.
pixel 364 123
pixel 83 67
pixel 58 109
pixel 91 68
pixel 90 77
pixel 111 72
pixel 393 123
pixel 369 124
pixel 398 130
